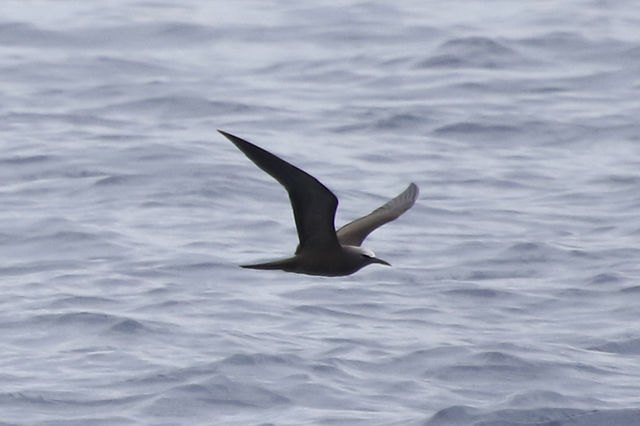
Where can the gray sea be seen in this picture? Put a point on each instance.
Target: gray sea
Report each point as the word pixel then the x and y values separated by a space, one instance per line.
pixel 514 295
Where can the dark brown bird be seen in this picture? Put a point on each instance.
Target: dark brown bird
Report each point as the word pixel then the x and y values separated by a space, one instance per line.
pixel 322 250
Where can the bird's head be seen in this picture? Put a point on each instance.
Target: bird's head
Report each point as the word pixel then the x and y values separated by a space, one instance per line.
pixel 366 256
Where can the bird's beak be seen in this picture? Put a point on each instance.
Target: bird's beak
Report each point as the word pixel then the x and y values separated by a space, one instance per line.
pixel 382 262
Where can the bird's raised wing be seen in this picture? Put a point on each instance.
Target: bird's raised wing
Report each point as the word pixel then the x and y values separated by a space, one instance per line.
pixel 354 233
pixel 314 205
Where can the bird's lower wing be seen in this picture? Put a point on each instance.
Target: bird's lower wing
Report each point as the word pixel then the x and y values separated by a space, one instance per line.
pixel 355 232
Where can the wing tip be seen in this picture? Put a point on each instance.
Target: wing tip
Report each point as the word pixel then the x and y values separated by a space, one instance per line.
pixel 243 145
pixel 412 191
pixel 228 135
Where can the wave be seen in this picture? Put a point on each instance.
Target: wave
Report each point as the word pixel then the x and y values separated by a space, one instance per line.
pixel 464 415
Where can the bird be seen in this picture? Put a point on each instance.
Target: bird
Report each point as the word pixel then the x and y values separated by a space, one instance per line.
pixel 321 249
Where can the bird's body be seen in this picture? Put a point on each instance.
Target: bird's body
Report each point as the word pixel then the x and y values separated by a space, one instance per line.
pixel 322 250
pixel 345 260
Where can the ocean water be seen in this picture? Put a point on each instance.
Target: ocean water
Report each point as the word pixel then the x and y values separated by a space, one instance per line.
pixel 515 288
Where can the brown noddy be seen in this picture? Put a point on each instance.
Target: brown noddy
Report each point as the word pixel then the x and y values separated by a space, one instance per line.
pixel 322 250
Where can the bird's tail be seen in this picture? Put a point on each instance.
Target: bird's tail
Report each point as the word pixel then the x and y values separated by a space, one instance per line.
pixel 288 264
